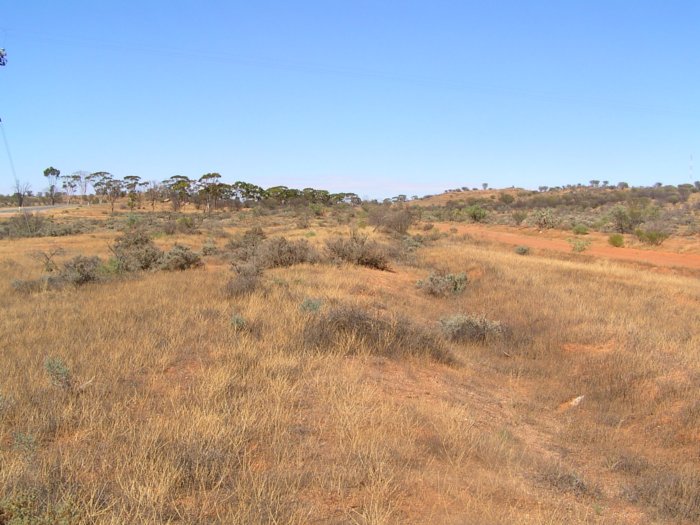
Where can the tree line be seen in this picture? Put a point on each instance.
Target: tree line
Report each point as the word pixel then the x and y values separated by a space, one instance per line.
pixel 208 192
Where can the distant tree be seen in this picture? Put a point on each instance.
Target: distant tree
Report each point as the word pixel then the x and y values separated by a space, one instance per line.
pixel 543 188
pixel 210 189
pixel 697 185
pixel 400 198
pixel 485 185
pixel 95 179
pixel 180 190
pixel 658 185
pixel 154 192
pixel 22 191
pixel 110 188
pixel 605 183
pixel 595 183
pixel 82 182
pixel 52 175
pixel 133 186
pixel 622 185
pixel 69 185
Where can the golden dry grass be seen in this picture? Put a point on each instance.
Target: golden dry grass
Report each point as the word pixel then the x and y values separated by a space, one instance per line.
pixel 192 419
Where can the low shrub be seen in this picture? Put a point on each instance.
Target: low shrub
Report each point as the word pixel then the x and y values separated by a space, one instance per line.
pixel 358 249
pixel 652 237
pixel 616 240
pixel 476 213
pixel 474 328
pixel 244 282
pixel 311 305
pixel 180 258
pixel 354 329
pixel 442 285
pixel 580 229
pixel 81 270
pixel 518 217
pixel 134 251
pixel 579 245
pixel 210 248
pixel 522 250
pixel 280 252
pixel 59 373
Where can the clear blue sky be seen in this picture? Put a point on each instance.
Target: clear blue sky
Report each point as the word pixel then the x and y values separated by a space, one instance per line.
pixel 375 97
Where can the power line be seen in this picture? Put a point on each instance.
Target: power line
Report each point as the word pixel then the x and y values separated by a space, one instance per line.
pixel 9 154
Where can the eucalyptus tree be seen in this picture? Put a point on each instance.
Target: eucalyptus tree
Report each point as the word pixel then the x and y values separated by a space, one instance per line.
pixel 52 175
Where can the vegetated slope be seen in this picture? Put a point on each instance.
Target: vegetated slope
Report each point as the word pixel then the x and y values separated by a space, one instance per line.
pixel 172 397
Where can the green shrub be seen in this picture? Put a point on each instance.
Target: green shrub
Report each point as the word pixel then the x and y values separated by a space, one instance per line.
pixel 519 217
pixel 180 258
pixel 580 229
pixel 441 285
pixel 616 240
pixel 476 213
pixel 522 250
pixel 471 328
pixel 653 237
pixel 545 219
pixel 579 245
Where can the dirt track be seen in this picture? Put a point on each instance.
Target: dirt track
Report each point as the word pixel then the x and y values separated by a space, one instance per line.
pixel 599 247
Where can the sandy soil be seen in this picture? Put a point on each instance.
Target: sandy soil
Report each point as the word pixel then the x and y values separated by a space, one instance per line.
pixel 674 253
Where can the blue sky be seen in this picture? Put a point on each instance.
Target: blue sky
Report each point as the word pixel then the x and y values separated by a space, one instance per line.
pixel 375 97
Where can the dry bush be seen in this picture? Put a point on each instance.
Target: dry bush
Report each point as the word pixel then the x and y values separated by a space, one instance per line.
pixel 358 249
pixel 392 220
pixel 81 270
pixel 474 328
pixel 180 258
pixel 278 252
pixel 353 328
pixel 244 282
pixel 443 284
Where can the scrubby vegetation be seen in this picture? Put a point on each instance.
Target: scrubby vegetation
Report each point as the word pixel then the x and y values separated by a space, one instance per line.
pixel 289 381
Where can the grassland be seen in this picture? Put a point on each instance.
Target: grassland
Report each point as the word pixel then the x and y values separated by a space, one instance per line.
pixel 184 404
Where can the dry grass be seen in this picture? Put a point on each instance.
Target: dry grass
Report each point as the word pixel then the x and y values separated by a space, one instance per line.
pixel 174 415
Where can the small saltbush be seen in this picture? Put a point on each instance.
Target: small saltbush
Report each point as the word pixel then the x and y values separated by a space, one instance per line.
pixel 441 285
pixel 311 305
pixel 522 250
pixel 59 373
pixel 580 229
pixel 238 322
pixel 474 328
